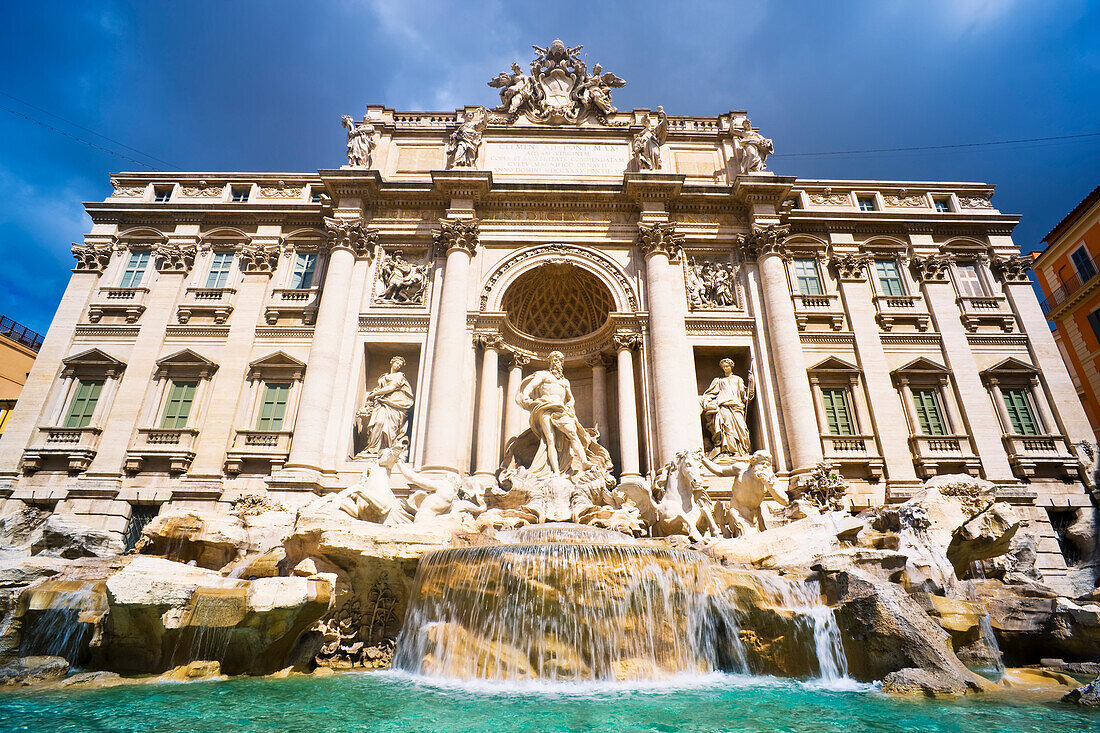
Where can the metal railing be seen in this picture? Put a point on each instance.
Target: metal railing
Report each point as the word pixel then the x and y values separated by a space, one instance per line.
pixel 1071 284
pixel 20 334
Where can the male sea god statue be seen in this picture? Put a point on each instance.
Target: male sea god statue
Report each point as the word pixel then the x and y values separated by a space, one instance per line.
pixel 384 417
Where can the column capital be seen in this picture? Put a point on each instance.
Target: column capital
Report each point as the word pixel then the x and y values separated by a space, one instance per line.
pixel 763 241
pixel 457 234
pixel 175 256
pixel 933 268
pixel 352 235
pixel 660 238
pixel 488 340
pixel 257 259
pixel 520 360
pixel 852 266
pixel 598 359
pixel 91 257
pixel 627 341
pixel 1013 269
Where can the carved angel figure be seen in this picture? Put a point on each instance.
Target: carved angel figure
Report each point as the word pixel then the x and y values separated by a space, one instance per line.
pixel 516 89
pixel 595 91
pixel 360 141
pixel 647 143
pixel 404 282
pixel 465 141
pixel 755 149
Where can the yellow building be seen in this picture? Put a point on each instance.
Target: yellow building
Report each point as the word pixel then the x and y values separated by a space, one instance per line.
pixel 18 347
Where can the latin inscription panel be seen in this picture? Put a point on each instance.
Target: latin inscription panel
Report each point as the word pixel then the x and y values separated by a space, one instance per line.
pixel 556 159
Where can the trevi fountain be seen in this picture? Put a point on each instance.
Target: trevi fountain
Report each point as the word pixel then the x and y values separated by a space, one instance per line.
pixel 620 538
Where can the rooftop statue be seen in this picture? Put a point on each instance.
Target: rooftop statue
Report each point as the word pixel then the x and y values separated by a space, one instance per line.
pixel 360 141
pixel 755 149
pixel 559 90
pixel 647 143
pixel 466 140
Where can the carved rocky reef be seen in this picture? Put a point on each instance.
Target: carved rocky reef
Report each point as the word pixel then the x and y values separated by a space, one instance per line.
pixel 893 594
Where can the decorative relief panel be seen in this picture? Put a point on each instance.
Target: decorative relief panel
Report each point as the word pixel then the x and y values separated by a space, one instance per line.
pixel 905 200
pixel 281 191
pixel 400 282
pixel 203 190
pixel 710 283
pixel 123 191
pixel 829 199
pixel 975 202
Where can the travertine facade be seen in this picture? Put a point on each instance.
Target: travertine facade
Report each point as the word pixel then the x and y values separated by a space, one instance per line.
pixel 221 331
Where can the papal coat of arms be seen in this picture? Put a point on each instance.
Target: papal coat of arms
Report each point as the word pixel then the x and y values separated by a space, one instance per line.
pixel 559 90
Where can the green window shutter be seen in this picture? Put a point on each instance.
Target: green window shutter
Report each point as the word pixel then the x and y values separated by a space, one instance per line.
pixel 181 396
pixel 837 415
pixel 1019 412
pixel 809 283
pixel 929 414
pixel 889 277
pixel 84 402
pixel 273 407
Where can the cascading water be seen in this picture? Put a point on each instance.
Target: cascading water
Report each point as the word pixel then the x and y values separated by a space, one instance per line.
pixel 561 602
pixel 61 619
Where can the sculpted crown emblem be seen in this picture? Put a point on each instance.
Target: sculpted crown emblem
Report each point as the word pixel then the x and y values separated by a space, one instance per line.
pixel 559 90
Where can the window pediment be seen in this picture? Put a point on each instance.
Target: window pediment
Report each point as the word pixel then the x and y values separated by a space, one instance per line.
pixel 834 365
pixel 279 365
pixel 92 362
pixel 186 362
pixel 1009 370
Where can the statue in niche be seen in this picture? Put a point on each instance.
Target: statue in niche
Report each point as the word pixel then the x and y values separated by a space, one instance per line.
pixel 556 443
pixel 647 143
pixel 755 149
pixel 466 140
pixel 383 421
pixel 710 284
pixel 402 281
pixel 360 141
pixel 723 405
pixel 516 89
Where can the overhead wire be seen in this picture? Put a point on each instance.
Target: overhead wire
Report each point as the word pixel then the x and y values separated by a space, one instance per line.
pixel 1020 141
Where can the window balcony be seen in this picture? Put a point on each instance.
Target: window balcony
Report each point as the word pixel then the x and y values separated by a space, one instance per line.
pixel 1040 455
pixel 126 303
pixel 894 309
pixel 174 447
pixel 292 303
pixel 271 447
pixel 989 310
pixel 213 303
pixel 818 309
pixel 857 453
pixel 75 446
pixel 1073 283
pixel 935 454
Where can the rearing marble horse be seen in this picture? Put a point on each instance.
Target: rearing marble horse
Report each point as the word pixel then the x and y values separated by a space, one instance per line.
pixel 677 501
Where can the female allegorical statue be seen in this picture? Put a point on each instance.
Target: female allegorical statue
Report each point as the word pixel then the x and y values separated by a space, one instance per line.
pixel 723 405
pixel 384 418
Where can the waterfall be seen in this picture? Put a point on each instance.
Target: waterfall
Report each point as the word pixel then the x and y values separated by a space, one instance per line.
pixel 985 627
pixel 556 602
pixel 61 619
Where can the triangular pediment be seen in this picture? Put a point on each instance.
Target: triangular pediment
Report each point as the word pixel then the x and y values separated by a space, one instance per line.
pixel 833 364
pixel 186 358
pixel 93 358
pixel 1011 365
pixel 278 359
pixel 921 365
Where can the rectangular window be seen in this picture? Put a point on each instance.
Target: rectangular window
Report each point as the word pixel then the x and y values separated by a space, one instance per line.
pixel 273 407
pixel 1094 321
pixel 135 270
pixel 889 277
pixel 315 195
pixel 181 395
pixel 1083 264
pixel 943 204
pixel 866 203
pixel 929 414
pixel 239 194
pixel 302 274
pixel 1019 412
pixel 162 194
pixel 84 401
pixel 140 516
pixel 970 283
pixel 805 271
pixel 837 414
pixel 220 267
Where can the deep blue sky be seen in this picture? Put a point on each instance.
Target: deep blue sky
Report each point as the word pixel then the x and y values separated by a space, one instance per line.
pixel 261 86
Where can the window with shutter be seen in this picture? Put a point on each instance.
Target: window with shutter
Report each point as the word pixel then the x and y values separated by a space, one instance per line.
pixel 929 414
pixel 1083 264
pixel 84 401
pixel 273 407
pixel 889 277
pixel 837 415
pixel 181 395
pixel 969 282
pixel 1020 413
pixel 805 270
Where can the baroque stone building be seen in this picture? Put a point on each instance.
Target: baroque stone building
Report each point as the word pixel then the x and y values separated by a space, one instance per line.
pixel 223 333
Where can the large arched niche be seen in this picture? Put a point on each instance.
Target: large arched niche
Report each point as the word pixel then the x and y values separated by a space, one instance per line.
pixel 557 301
pixel 595 264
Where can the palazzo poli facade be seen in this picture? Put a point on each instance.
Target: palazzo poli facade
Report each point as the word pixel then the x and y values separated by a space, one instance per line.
pixel 231 333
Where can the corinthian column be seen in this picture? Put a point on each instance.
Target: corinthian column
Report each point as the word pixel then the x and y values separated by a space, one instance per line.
pixel 625 343
pixel 599 391
pixel 513 413
pixel 348 239
pixel 678 426
pixel 447 389
pixel 488 421
pixel 795 399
